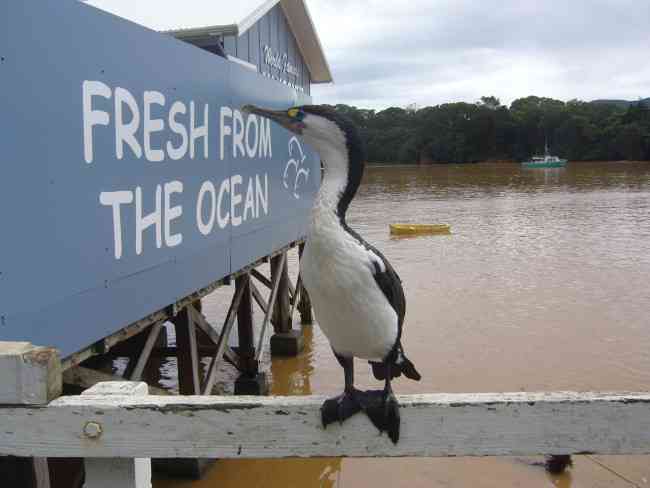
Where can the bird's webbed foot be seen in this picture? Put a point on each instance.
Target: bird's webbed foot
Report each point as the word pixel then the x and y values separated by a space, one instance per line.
pixel 383 411
pixel 341 407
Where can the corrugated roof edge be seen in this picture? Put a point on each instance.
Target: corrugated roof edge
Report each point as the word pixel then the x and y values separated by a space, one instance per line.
pixel 199 32
pixel 232 29
pixel 301 25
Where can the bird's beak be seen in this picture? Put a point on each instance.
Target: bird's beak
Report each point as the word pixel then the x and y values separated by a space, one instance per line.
pixel 279 116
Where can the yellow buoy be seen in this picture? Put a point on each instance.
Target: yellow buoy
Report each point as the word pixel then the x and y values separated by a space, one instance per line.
pixel 416 229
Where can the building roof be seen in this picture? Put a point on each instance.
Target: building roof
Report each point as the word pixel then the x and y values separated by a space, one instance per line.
pixel 202 18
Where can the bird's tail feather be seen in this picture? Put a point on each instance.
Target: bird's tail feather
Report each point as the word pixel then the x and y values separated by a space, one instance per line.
pixel 401 365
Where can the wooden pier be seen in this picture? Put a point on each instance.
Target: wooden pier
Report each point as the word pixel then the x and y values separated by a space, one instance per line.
pixel 117 426
pixel 146 218
pixel 34 375
pixel 148 190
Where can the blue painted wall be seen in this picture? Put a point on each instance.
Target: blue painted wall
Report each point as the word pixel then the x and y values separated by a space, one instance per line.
pixel 62 282
pixel 271 30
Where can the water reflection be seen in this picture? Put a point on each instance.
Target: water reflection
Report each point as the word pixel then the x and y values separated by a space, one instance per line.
pixel 264 473
pixel 542 285
pixel 564 480
pixel 290 376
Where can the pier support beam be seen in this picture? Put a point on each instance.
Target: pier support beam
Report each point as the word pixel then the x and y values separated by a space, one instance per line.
pixel 304 303
pixel 285 341
pixel 189 381
pixel 25 472
pixel 251 381
pixel 280 319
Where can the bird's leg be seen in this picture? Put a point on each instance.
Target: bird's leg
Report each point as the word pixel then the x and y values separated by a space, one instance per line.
pixel 348 372
pixel 391 409
pixel 346 404
pixel 382 408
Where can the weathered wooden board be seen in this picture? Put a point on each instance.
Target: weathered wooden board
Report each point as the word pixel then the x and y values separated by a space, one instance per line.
pixel 28 374
pixel 275 427
pixel 87 378
pixel 110 473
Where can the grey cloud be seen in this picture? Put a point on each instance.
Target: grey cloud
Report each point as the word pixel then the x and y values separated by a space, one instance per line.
pixel 425 51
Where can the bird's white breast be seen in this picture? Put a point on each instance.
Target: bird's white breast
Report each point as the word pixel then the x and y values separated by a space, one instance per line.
pixel 348 304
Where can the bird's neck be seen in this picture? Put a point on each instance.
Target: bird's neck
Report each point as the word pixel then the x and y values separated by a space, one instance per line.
pixel 338 187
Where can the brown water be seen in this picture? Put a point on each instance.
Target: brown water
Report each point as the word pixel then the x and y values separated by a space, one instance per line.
pixel 542 285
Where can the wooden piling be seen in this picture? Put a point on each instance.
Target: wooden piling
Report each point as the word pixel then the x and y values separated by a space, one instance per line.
pixel 251 381
pixel 280 319
pixel 304 303
pixel 189 381
pixel 285 341
pixel 25 472
pixel 246 348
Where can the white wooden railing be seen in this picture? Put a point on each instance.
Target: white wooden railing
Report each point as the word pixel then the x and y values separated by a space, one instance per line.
pixel 117 426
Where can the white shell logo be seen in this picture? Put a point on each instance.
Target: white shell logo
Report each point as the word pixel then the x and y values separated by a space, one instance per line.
pixel 294 171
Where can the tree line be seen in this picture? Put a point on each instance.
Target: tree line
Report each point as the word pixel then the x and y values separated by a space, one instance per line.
pixel 487 130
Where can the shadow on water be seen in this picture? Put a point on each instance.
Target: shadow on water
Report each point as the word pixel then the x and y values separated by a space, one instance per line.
pixel 563 480
pixel 559 480
pixel 290 376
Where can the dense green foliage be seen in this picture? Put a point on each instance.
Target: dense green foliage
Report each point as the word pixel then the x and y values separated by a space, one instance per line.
pixel 464 132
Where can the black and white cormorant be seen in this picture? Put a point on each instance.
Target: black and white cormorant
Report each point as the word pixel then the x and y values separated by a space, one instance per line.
pixel 356 294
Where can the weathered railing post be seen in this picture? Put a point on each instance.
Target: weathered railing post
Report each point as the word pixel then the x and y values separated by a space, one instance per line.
pixel 285 341
pixel 114 472
pixel 29 375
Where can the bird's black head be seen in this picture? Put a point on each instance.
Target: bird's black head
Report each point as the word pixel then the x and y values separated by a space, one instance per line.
pixel 333 136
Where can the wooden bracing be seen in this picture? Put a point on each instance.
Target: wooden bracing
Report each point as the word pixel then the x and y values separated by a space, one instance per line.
pixel 268 310
pixel 196 338
pixel 107 343
pixel 136 374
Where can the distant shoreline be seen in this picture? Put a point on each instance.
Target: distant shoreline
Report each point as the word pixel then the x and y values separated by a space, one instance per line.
pixel 463 132
pixel 504 161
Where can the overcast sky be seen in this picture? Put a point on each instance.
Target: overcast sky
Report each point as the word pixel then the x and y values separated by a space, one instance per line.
pixel 392 53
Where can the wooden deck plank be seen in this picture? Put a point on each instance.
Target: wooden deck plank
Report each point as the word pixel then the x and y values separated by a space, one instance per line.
pixel 436 425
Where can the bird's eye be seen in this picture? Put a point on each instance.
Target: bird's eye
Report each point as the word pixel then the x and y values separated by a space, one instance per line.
pixel 296 113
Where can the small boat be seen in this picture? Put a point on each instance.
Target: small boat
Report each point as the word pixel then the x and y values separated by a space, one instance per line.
pixel 546 161
pixel 416 229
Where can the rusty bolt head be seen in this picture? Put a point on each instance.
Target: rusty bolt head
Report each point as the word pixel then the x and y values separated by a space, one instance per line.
pixel 92 430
